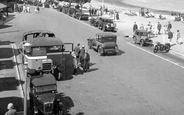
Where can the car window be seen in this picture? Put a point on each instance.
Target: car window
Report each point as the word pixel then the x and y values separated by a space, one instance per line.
pixel 42 89
pixel 109 39
pixel 143 34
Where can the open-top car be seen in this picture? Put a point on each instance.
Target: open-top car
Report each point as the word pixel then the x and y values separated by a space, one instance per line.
pixel 47 55
pixel 37 33
pixel 104 43
pixel 44 98
pixel 105 24
pixel 142 37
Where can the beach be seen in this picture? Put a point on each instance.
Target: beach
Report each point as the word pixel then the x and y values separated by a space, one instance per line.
pixel 157 6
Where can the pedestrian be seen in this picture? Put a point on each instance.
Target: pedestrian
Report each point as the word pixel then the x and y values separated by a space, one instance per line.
pixel 117 16
pixel 86 61
pixel 77 51
pixel 75 65
pixel 28 9
pixel 82 52
pixel 135 27
pixel 178 38
pixel 11 110
pixel 159 27
pixel 169 26
pixel 150 26
pixel 142 27
pixel 170 36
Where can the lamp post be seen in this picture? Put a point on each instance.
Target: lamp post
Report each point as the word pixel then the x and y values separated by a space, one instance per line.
pixel 25 45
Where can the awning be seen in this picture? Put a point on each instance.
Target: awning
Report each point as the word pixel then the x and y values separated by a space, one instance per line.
pixel 2 6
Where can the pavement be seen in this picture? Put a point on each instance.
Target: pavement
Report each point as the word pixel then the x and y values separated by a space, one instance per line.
pixel 10 83
pixel 125 24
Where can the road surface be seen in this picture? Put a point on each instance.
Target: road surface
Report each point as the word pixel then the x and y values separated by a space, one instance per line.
pixel 135 82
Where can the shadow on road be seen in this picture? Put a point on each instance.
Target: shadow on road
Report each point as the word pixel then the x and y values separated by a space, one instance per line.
pixel 17 102
pixel 4 26
pixel 66 100
pixel 9 83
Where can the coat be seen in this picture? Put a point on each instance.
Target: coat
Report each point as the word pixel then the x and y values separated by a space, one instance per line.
pixel 135 27
pixel 159 26
pixel 77 50
pixel 11 112
pixel 86 61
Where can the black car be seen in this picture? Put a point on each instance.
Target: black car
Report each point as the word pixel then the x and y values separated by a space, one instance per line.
pixel 43 96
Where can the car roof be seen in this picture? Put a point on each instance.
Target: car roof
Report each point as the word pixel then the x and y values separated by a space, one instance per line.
pixel 41 80
pixel 106 34
pixel 45 41
pixel 36 31
pixel 105 17
pixel 142 31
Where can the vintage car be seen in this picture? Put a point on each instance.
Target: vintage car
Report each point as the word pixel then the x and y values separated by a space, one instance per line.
pixel 37 33
pixel 104 43
pixel 142 37
pixel 81 15
pixel 47 55
pixel 44 98
pixel 105 24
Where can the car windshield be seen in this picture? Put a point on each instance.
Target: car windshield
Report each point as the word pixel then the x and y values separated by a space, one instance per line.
pixel 143 34
pixel 108 20
pixel 43 89
pixel 108 39
pixel 39 51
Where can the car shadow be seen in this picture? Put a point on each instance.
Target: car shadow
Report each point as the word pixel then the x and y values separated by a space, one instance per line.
pixel 66 100
pixel 5 26
pixel 17 102
pixel 91 69
pixel 5 83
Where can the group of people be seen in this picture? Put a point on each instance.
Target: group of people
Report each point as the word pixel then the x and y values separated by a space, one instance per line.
pixel 81 58
pixel 156 29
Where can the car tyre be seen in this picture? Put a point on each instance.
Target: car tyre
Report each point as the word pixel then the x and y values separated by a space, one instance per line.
pixel 155 50
pixel 142 43
pixel 167 48
pixel 135 40
pixel 99 52
pixel 103 28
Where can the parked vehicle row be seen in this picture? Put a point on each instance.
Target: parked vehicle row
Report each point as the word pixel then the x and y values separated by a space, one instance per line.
pixel 104 23
pixel 47 60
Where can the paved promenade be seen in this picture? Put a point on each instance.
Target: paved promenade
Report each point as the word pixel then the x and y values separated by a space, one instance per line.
pixel 10 84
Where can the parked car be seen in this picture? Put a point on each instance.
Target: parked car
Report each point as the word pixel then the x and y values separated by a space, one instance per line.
pixel 46 54
pixel 142 37
pixel 106 24
pixel 44 98
pixel 81 15
pixel 104 43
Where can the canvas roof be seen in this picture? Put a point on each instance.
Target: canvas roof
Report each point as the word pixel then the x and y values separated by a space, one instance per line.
pixel 36 31
pixel 46 41
pixel 45 79
pixel 106 34
pixel 2 5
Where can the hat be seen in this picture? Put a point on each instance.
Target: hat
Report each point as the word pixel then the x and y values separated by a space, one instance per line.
pixel 83 46
pixel 10 106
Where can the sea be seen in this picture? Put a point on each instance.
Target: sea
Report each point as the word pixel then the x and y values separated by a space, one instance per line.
pixel 162 5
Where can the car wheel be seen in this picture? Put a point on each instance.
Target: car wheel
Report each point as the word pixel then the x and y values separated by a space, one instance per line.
pixel 167 48
pixel 135 40
pixel 89 46
pixel 142 43
pixel 59 76
pixel 103 28
pixel 99 52
pixel 155 50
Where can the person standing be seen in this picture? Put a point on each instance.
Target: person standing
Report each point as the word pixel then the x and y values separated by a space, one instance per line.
pixel 75 65
pixel 77 51
pixel 178 38
pixel 135 27
pixel 86 61
pixel 82 52
pixel 169 26
pixel 170 35
pixel 159 26
pixel 142 27
pixel 11 110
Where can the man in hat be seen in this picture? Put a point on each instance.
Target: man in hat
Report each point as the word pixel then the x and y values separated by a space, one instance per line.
pixel 86 61
pixel 77 51
pixel 11 110
pixel 82 52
